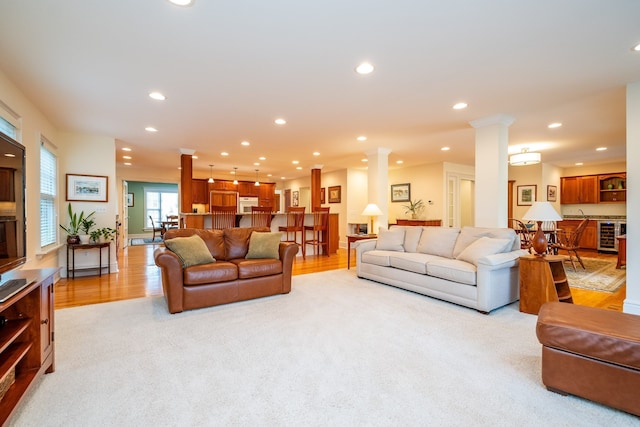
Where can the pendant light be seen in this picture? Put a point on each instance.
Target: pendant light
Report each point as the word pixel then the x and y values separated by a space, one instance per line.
pixel 257 183
pixel 235 175
pixel 211 174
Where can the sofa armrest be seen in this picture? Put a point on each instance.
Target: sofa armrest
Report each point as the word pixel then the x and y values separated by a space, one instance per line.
pixel 502 260
pixel 288 251
pixel 172 283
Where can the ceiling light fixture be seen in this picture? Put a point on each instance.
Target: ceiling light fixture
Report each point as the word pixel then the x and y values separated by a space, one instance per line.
pixel 245 143
pixel 554 125
pixel 211 175
pixel 460 106
pixel 182 2
pixel 280 121
pixel 362 138
pixel 157 96
pixel 126 157
pixel 127 164
pixel 445 149
pixel 257 183
pixel 364 68
pixel 525 158
pixel 636 48
pixel 601 148
pixel 235 175
pixel 126 149
pixel 224 153
pixel 151 129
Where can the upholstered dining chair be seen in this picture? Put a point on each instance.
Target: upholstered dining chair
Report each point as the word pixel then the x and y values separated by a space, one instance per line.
pixel 570 241
pixel 261 216
pixel 319 235
pixel 295 224
pixel 223 217
pixel 155 229
pixel 523 233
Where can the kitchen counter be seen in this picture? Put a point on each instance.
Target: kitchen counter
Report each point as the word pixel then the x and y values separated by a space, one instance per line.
pixel 596 217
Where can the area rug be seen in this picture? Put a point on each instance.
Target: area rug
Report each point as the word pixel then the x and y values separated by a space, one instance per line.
pixel 598 275
pixel 146 241
pixel 336 351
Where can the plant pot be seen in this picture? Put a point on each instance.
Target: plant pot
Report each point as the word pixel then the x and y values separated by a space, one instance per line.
pixel 84 238
pixel 73 240
pixel 414 216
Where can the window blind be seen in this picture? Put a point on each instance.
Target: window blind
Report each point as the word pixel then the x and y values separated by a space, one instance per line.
pixel 48 185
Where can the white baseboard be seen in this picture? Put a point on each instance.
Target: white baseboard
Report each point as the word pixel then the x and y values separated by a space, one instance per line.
pixel 631 306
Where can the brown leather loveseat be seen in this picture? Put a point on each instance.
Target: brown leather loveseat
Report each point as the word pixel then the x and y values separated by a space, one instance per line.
pixel 591 353
pixel 230 277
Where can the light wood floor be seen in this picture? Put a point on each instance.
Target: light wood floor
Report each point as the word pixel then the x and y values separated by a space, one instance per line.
pixel 138 276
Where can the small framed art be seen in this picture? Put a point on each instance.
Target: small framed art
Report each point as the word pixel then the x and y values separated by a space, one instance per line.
pixel 552 193
pixel 87 188
pixel 334 194
pixel 526 195
pixel 401 192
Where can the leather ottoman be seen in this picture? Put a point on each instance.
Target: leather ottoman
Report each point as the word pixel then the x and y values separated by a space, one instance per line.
pixel 591 353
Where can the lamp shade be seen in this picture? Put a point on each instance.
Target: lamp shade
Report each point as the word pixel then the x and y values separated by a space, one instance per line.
pixel 372 210
pixel 542 211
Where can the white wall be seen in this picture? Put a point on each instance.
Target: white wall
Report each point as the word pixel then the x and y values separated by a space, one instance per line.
pixel 427 183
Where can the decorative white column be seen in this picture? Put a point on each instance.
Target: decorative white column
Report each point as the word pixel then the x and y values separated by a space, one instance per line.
pixel 378 182
pixel 492 172
pixel 632 300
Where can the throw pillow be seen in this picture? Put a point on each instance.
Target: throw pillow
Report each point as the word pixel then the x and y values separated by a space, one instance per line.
pixel 482 247
pixel 390 240
pixel 438 241
pixel 264 245
pixel 191 250
pixel 412 238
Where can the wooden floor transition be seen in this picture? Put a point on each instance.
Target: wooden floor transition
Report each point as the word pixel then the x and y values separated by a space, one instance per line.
pixel 138 276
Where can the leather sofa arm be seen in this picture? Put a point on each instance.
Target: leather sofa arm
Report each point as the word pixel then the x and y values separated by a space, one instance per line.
pixel 288 251
pixel 172 284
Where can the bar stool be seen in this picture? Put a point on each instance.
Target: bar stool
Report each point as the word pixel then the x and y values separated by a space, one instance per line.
pixel 295 223
pixel 261 216
pixel 223 217
pixel 319 230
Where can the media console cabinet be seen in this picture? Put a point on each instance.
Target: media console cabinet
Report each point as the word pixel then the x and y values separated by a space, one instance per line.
pixel 26 337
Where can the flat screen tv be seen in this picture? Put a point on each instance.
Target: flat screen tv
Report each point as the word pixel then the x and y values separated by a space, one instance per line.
pixel 12 198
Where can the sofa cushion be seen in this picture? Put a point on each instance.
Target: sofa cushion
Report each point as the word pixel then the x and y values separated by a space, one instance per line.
pixel 452 269
pixel 438 241
pixel 248 268
pixel 482 247
pixel 412 238
pixel 191 250
pixel 220 271
pixel 377 257
pixel 390 240
pixel 264 245
pixel 412 261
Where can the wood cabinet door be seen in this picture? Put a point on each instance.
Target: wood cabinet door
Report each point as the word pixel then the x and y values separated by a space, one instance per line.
pixel 199 191
pixel 589 239
pixel 588 189
pixel 46 318
pixel 569 190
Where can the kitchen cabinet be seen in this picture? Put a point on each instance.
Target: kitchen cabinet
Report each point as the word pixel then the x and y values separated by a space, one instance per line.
pixel 267 194
pixel 248 189
pixel 579 189
pixel 612 188
pixel 7 192
pixel 589 239
pixel 199 191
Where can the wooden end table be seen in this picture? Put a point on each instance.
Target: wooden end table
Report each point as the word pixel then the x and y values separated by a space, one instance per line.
pixel 354 238
pixel 542 279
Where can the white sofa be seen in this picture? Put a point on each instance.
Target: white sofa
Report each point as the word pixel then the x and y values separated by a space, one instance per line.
pixel 474 267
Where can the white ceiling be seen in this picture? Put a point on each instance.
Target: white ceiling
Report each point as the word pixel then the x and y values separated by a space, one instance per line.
pixel 230 67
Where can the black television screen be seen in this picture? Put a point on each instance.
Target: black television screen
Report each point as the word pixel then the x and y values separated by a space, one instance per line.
pixel 12 214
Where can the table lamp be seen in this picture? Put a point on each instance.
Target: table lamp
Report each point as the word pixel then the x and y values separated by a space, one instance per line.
pixel 372 210
pixel 538 212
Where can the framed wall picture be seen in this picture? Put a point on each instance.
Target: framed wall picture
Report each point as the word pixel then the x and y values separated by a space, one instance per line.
pixel 129 200
pixel 87 188
pixel 295 198
pixel 526 195
pixel 400 192
pixel 322 199
pixel 334 194
pixel 552 193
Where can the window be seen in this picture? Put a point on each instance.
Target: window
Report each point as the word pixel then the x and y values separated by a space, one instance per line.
pixel 48 185
pixel 8 129
pixel 159 202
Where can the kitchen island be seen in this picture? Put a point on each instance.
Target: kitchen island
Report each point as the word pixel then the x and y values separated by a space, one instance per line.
pixel 203 220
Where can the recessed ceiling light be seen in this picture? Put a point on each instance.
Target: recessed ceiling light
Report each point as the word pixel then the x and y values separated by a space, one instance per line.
pixel 601 148
pixel 157 96
pixel 127 164
pixel 9 155
pixel 283 177
pixel 460 106
pixel 579 164
pixel 245 143
pixel 636 48
pixel 182 2
pixel 399 162
pixel 262 158
pixel 269 175
pixel 126 149
pixel 362 138
pixel 365 160
pixel 445 149
pixel 315 153
pixel 364 68
pixel 256 164
pixel 280 121
pixel 299 168
pixel 151 129
pixel 554 125
pixel 224 153
pixel 194 157
pixel 295 162
pixel 126 157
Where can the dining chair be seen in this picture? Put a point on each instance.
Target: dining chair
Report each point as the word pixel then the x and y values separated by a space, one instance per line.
pixel 523 233
pixel 223 217
pixel 570 241
pixel 319 231
pixel 261 216
pixel 155 229
pixel 295 224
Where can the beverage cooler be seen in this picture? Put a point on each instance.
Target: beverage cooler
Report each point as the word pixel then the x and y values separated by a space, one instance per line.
pixel 608 231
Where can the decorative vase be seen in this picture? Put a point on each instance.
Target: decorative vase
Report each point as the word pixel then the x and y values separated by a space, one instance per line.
pixel 621 185
pixel 73 240
pixel 84 238
pixel 610 186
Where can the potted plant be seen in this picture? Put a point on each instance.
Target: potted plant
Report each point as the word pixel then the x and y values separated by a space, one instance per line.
pixel 86 225
pixel 95 235
pixel 75 221
pixel 414 207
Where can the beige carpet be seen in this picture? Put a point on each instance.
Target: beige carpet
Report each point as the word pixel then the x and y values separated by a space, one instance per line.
pixel 598 275
pixel 336 351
